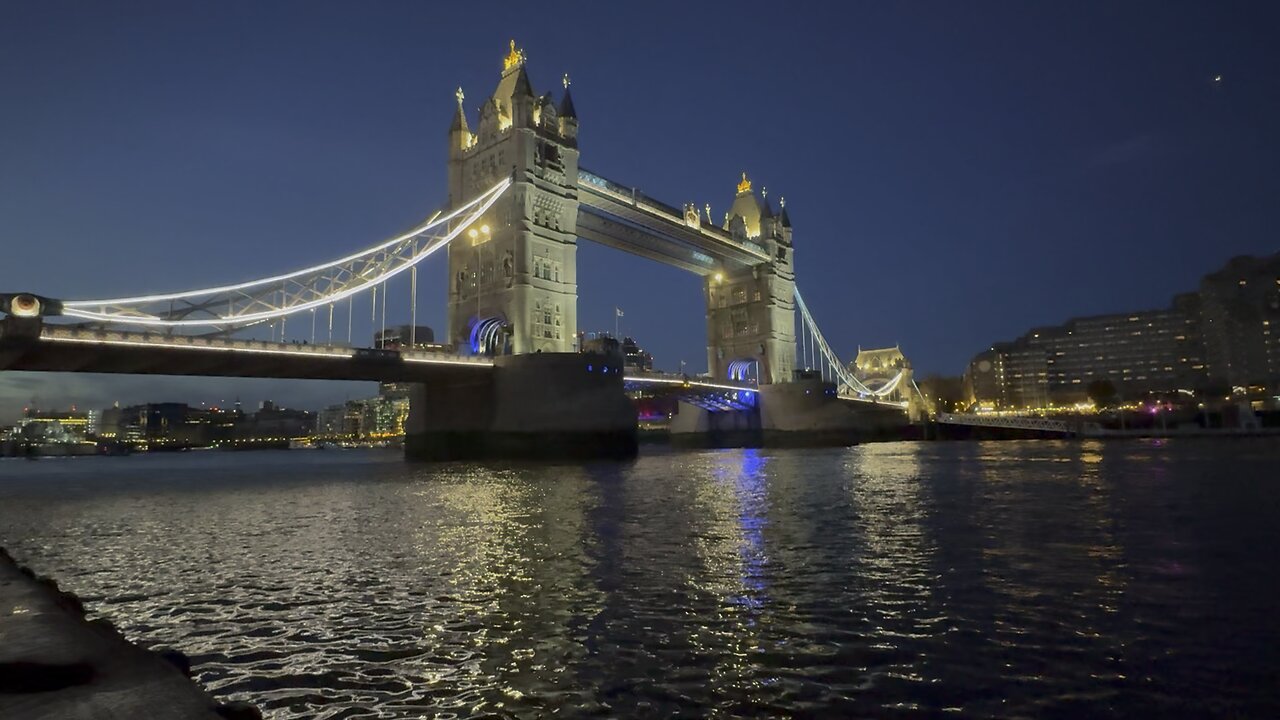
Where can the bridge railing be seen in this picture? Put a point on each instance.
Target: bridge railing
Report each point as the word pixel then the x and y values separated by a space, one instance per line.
pixel 94 336
pixel 666 378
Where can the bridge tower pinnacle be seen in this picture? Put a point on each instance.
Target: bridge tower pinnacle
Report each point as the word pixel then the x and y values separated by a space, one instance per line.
pixel 513 278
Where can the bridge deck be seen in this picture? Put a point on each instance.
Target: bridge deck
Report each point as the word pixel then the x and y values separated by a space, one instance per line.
pixel 621 217
pixel 64 349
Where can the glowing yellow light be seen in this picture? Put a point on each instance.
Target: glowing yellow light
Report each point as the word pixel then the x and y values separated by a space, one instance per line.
pixel 472 233
pixel 745 185
pixel 719 277
pixel 515 57
pixel 484 229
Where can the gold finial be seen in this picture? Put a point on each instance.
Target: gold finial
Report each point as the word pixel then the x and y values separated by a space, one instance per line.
pixel 783 201
pixel 460 96
pixel 764 192
pixel 566 81
pixel 514 58
pixel 745 185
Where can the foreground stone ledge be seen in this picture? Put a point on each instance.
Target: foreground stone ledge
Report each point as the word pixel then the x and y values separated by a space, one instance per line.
pixel 55 664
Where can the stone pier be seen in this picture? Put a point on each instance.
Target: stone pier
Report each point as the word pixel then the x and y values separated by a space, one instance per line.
pixel 803 413
pixel 534 406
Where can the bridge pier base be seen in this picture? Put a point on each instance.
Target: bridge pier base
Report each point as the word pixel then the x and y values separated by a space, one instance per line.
pixel 803 413
pixel 538 406
pixel 694 426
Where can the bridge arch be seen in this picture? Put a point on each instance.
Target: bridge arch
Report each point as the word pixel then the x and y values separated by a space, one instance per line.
pixel 744 370
pixel 489 335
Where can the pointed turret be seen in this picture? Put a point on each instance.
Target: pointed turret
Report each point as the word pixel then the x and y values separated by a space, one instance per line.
pixel 783 218
pixel 522 86
pixel 568 114
pixel 459 133
pixel 459 117
pixel 566 105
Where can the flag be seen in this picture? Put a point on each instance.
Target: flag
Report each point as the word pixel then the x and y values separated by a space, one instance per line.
pixel 618 312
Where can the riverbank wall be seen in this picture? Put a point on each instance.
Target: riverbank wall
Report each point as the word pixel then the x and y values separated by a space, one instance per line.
pixel 55 663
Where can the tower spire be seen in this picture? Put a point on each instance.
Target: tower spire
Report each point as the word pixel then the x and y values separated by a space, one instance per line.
pixel 459 116
pixel 566 105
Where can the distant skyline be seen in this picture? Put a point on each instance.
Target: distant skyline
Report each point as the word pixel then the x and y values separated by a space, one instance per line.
pixel 954 176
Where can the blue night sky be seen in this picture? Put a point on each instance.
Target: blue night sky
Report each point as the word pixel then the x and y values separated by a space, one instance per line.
pixel 956 172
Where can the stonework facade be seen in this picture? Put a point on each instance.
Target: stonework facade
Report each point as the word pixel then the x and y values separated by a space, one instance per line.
pixel 751 312
pixel 513 275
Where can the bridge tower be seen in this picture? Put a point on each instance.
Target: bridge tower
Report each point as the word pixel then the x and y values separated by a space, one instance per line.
pixel 513 275
pixel 751 311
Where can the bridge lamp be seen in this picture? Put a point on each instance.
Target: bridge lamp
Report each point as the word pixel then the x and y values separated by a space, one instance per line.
pixel 24 306
pixel 719 277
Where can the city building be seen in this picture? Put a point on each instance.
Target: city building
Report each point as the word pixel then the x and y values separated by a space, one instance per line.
pixel 1240 307
pixel 274 421
pixel 53 426
pixel 420 337
pixel 1218 337
pixel 634 357
pixel 170 424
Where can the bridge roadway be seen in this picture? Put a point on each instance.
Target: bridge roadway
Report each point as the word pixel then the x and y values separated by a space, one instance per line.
pixel 60 348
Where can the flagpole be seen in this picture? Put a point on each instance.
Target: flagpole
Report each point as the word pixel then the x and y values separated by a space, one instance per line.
pixel 616 314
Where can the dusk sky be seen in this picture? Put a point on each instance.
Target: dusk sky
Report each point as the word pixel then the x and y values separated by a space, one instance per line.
pixel 956 172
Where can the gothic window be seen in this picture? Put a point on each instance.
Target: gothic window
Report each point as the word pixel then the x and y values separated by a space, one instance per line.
pixel 739 295
pixel 755 295
pixel 557 272
pixel 726 331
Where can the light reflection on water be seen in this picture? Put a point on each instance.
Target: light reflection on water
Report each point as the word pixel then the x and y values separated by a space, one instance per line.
pixel 986 579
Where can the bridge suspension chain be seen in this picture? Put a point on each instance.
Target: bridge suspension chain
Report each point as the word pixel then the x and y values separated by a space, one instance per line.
pixel 272 298
pixel 837 371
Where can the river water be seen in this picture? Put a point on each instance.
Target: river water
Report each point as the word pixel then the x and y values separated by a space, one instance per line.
pixel 1014 579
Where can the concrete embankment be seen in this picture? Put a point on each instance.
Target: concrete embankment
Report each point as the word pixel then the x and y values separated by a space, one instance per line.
pixel 54 663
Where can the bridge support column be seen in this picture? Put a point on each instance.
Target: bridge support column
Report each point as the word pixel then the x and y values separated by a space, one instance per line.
pixel 539 406
pixel 803 413
pixel 17 336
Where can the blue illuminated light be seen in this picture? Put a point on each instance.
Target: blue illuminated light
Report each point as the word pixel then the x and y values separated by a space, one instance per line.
pixel 589 368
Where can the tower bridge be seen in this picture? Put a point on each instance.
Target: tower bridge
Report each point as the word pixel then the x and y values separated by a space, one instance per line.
pixel 513 382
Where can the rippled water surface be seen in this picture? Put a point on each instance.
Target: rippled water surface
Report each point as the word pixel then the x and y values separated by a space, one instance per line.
pixel 1017 579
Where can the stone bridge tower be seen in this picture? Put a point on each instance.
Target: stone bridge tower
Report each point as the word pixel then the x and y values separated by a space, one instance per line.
pixel 751 327
pixel 513 275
